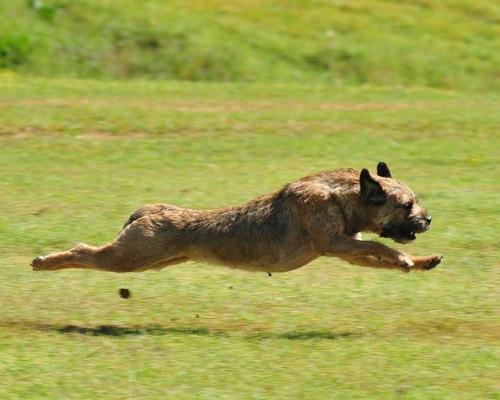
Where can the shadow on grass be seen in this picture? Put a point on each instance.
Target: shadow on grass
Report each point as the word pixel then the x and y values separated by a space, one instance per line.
pixel 158 330
pixel 115 330
pixel 306 335
pixel 109 330
pixel 153 330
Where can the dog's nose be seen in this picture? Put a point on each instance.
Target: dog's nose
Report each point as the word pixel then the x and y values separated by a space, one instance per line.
pixel 428 219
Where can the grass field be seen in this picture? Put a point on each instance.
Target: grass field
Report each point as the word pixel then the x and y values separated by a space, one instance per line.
pixel 437 43
pixel 76 157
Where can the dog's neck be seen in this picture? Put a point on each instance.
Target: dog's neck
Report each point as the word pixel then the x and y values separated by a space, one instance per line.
pixel 354 213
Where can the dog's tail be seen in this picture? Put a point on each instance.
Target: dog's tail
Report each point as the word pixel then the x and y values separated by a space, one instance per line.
pixel 145 210
pixel 135 215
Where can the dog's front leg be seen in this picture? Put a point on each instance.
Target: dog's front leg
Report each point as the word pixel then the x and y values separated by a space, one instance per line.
pixel 373 262
pixel 365 252
pixel 426 263
pixel 420 263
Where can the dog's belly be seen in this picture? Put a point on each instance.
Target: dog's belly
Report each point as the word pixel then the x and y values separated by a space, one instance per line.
pixel 292 261
pixel 286 259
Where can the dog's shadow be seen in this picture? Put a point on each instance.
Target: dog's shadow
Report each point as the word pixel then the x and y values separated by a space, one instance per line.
pixel 116 330
pixel 305 335
pixel 159 330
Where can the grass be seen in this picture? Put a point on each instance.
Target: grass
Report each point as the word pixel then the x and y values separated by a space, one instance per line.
pixel 77 156
pixel 445 44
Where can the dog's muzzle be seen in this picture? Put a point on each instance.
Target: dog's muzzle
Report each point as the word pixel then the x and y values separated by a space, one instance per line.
pixel 406 232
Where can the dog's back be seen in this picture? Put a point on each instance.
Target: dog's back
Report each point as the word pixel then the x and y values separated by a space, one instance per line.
pixel 248 236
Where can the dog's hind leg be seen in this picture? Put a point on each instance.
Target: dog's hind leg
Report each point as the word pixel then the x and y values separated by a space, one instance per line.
pixel 105 258
pixel 81 256
pixel 147 241
pixel 111 257
pixel 167 263
pixel 140 246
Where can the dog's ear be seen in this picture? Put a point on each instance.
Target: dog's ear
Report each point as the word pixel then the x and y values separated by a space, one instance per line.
pixel 370 190
pixel 383 170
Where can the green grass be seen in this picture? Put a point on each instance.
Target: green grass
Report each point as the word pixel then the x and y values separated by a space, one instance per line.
pixel 446 44
pixel 76 157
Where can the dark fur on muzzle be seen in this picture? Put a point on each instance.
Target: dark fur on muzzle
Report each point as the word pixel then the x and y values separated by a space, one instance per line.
pixel 405 232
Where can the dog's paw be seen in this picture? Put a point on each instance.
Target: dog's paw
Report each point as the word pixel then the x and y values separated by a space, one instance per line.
pixel 432 262
pixel 405 263
pixel 37 262
pixel 428 262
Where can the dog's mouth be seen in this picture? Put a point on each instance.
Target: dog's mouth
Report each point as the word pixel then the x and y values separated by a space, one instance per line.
pixel 404 233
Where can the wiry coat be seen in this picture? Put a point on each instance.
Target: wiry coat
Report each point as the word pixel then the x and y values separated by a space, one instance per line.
pixel 316 215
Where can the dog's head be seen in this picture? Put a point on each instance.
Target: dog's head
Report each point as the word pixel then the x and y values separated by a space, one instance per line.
pixel 392 207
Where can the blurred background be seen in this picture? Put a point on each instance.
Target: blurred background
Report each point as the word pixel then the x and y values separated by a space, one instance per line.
pixel 446 44
pixel 107 105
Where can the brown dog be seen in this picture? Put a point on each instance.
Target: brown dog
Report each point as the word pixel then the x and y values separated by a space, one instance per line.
pixel 319 215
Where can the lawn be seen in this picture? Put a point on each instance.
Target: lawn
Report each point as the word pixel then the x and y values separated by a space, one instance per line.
pixel 77 156
pixel 438 43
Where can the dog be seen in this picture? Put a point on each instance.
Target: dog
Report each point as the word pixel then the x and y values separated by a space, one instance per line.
pixel 318 215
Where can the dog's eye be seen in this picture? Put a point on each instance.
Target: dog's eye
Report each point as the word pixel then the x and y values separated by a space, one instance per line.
pixel 408 206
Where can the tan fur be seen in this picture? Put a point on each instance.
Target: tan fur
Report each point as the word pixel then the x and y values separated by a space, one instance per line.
pixel 319 215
